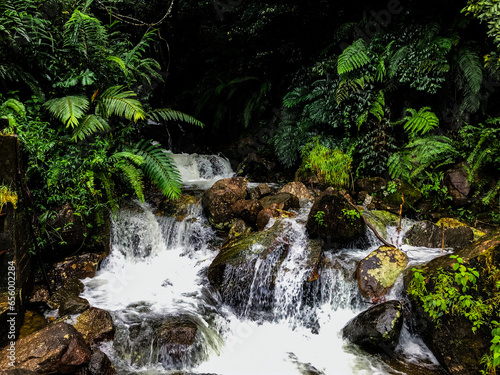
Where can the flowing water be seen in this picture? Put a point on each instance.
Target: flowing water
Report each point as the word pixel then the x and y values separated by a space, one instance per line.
pixel 282 324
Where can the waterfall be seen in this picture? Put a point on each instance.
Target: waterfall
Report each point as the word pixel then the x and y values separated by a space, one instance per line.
pixel 279 323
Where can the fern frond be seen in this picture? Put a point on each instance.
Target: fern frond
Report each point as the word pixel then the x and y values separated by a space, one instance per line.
pixel 353 57
pixel 16 106
pixel 134 158
pixel 84 32
pixel 469 65
pixel 133 176
pixel 160 168
pixel 421 122
pixel 90 125
pixel 115 101
pixel 399 165
pixel 168 114
pixel 68 109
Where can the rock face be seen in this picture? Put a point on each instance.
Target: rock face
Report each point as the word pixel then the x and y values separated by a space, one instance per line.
pixel 455 346
pixel 376 329
pixel 58 348
pixel 426 234
pixel 455 179
pixel 329 219
pixel 96 326
pixel 379 270
pixel 247 210
pixel 297 189
pixel 282 201
pixel 218 200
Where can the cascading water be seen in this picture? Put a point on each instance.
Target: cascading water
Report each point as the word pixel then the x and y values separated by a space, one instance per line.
pixel 155 277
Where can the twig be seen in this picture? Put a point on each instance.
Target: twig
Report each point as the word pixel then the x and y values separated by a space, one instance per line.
pixel 442 241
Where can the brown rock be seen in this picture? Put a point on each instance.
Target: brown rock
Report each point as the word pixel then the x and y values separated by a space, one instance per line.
pixel 456 180
pixel 282 201
pixel 99 364
pixel 247 210
pixel 73 305
pixel 260 191
pixel 371 185
pixel 95 325
pixel 72 287
pixel 217 200
pixel 297 189
pixel 78 266
pixel 426 234
pixel 264 216
pixel 58 348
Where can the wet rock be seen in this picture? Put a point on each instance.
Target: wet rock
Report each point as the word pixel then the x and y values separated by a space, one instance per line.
pixel 39 296
pixel 281 201
pixel 95 325
pixel 376 329
pixel 260 191
pixel 239 228
pixel 247 210
pixel 179 208
pixel 218 200
pixel 99 364
pixel 264 216
pixel 297 189
pixel 456 181
pixel 73 287
pixel 177 331
pixel 426 234
pixel 33 321
pixel 78 266
pixel 379 270
pixel 73 305
pixel 453 342
pixel 448 222
pixel 380 220
pixel 57 348
pixel 19 371
pixel 329 219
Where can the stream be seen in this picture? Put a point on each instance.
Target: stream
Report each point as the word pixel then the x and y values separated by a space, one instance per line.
pixel 157 270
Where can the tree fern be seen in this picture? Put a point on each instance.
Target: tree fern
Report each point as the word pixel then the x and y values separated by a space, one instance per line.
pixel 353 57
pixel 160 168
pixel 84 32
pixel 69 109
pixel 421 122
pixel 168 114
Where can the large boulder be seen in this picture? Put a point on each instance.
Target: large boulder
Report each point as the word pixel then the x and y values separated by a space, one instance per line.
pixel 57 348
pixel 95 325
pixel 330 218
pixel 260 191
pixel 453 342
pixel 247 209
pixel 218 200
pixel 379 270
pixel 380 220
pixel 427 234
pixel 376 329
pixel 297 189
pixel 281 201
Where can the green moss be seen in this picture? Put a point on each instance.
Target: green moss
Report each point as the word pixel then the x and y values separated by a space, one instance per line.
pixel 380 220
pixel 391 262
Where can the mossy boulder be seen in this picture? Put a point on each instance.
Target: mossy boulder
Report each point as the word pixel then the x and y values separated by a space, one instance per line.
pixel 334 220
pixel 238 229
pixel 376 329
pixel 427 234
pixel 449 222
pixel 380 220
pixel 455 346
pixel 379 270
pixel 218 200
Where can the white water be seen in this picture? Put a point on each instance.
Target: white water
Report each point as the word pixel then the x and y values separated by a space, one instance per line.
pixel 157 269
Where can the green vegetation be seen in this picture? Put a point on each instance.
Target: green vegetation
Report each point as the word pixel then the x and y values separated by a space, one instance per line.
pixel 455 292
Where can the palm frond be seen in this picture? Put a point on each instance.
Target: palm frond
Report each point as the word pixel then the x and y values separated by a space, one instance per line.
pixel 353 57
pixel 68 109
pixel 159 168
pixel 168 114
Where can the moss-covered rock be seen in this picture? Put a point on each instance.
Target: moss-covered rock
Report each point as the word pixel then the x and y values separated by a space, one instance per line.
pixel 379 270
pixel 388 200
pixel 380 220
pixel 376 329
pixel 449 222
pixel 427 234
pixel 334 220
pixel 238 229
pixel 453 343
